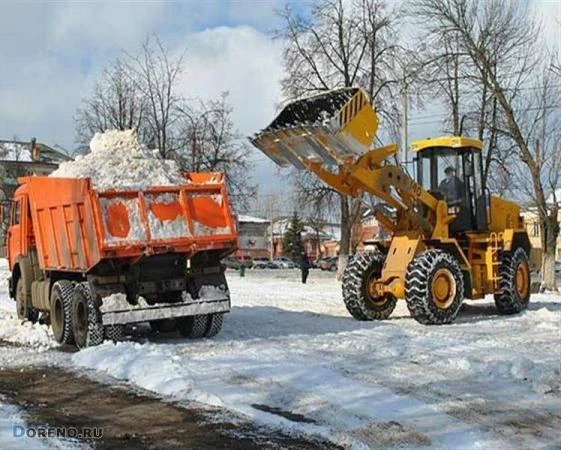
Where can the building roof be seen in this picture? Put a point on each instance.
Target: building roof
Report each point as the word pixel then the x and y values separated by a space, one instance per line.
pixel 250 219
pixel 19 151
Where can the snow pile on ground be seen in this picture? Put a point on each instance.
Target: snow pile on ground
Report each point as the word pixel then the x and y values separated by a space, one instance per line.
pixel 25 333
pixel 118 161
pixel 290 356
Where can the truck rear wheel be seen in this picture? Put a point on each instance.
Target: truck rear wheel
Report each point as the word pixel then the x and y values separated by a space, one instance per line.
pixel 434 287
pixel 358 289
pixel 514 283
pixel 61 311
pixel 86 318
pixel 114 333
pixel 23 308
pixel 204 325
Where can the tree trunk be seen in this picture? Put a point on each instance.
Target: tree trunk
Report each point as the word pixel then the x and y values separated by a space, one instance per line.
pixel 345 241
pixel 550 231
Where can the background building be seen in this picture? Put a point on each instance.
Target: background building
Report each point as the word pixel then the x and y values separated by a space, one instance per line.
pixel 18 159
pixel 253 237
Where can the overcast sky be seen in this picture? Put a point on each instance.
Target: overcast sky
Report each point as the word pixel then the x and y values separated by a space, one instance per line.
pixel 52 53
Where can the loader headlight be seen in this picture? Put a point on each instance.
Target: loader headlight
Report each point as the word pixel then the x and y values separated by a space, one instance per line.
pixel 453 210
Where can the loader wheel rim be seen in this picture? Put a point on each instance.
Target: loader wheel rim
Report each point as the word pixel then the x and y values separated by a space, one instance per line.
pixel 522 280
pixel 375 297
pixel 443 288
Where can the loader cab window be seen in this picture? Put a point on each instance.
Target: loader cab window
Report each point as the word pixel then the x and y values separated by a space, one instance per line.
pixel 454 175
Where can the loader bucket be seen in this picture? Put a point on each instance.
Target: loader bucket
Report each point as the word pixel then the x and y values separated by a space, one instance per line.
pixel 332 128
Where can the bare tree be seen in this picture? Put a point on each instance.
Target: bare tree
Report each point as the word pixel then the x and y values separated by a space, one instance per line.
pixel 503 42
pixel 155 72
pixel 340 44
pixel 209 142
pixel 116 103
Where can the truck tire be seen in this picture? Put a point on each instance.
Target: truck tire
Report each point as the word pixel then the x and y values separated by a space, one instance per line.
pixel 514 282
pixel 193 326
pixel 164 326
pixel 434 287
pixel 214 324
pixel 86 318
pixel 114 333
pixel 61 311
pixel 358 298
pixel 23 308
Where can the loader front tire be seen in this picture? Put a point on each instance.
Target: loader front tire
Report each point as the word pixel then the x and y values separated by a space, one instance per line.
pixel 514 282
pixel 434 287
pixel 86 317
pixel 359 298
pixel 61 311
pixel 214 324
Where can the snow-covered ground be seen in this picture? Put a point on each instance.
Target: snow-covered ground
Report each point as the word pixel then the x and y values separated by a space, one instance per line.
pixel 290 356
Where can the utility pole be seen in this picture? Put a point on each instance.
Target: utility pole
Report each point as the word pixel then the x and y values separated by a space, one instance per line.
pixel 404 111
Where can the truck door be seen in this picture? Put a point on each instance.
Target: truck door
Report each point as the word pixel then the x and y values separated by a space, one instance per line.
pixel 14 231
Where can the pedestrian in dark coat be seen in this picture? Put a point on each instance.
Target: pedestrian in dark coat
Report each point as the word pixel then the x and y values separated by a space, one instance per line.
pixel 304 266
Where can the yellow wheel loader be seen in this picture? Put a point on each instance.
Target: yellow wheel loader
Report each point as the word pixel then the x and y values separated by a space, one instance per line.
pixel 450 240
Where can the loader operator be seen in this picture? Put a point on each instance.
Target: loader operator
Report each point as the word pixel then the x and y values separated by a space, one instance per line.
pixel 451 187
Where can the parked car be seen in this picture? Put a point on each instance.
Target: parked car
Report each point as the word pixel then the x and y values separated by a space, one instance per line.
pixel 284 263
pixel 329 263
pixel 231 262
pixel 264 263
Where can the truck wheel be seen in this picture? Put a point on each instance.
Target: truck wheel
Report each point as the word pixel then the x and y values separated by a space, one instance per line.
pixel 114 333
pixel 61 311
pixel 24 310
pixel 164 326
pixel 514 283
pixel 358 294
pixel 434 287
pixel 86 318
pixel 214 325
pixel 193 326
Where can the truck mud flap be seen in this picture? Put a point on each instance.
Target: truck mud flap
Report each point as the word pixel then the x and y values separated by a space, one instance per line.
pixel 165 311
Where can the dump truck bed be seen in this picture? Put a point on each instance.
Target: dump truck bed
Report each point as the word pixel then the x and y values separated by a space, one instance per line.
pixel 76 226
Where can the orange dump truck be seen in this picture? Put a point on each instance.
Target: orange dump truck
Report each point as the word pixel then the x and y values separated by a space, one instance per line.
pixel 71 248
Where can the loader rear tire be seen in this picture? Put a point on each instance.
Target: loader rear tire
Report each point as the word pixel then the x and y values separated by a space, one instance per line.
pixel 86 318
pixel 434 287
pixel 514 283
pixel 357 294
pixel 61 311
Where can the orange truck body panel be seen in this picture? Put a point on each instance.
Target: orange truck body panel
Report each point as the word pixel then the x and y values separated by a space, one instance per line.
pixel 75 226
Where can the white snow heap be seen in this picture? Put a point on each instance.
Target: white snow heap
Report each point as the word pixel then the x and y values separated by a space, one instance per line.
pixel 118 161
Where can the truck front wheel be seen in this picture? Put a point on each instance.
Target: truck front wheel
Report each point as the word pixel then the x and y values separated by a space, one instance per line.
pixel 61 311
pixel 204 325
pixel 86 318
pixel 24 310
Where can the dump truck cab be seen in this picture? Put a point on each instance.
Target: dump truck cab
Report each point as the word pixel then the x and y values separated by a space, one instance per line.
pixel 450 169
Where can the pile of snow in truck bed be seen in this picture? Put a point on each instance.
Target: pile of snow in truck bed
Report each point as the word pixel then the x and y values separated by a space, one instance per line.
pixel 118 161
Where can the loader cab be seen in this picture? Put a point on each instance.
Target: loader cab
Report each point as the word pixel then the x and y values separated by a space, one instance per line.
pixel 450 168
